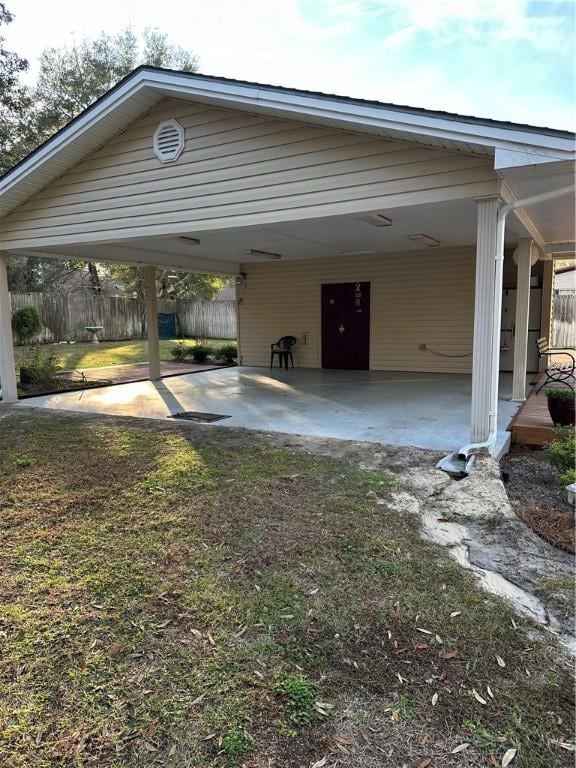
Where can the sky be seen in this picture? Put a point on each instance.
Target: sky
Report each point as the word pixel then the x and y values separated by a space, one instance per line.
pixel 502 59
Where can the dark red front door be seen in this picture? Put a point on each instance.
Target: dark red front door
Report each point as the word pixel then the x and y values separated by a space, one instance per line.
pixel 346 325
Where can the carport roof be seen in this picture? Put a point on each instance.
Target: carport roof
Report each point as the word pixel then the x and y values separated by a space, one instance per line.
pixel 512 144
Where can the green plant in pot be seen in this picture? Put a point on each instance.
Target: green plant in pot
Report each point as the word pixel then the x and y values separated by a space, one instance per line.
pixel 561 406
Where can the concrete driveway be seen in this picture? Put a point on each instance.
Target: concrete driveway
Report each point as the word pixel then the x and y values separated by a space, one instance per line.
pixel 423 410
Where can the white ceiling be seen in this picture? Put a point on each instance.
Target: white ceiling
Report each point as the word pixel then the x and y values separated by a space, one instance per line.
pixel 452 223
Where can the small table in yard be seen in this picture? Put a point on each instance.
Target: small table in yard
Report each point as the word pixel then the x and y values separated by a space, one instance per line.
pixel 93 330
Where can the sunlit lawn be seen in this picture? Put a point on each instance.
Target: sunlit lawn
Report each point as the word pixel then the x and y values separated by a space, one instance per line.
pixel 211 598
pixel 86 355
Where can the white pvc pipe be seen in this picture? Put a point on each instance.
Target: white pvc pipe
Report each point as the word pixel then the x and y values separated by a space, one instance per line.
pixel 503 212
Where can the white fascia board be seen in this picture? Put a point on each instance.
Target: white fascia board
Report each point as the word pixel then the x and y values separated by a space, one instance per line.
pixel 507 158
pixel 364 115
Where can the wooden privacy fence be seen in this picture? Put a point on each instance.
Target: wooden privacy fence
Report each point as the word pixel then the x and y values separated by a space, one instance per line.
pixel 564 321
pixel 66 315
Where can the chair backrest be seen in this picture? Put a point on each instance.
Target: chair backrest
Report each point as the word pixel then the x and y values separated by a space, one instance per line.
pixel 286 342
pixel 542 345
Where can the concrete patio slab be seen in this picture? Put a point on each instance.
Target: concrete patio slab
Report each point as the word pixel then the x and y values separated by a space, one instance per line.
pixel 422 410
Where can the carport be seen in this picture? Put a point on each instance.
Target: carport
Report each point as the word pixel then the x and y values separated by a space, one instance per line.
pixel 292 191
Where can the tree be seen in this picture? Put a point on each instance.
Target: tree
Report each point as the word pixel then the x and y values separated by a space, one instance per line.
pixel 72 78
pixel 14 98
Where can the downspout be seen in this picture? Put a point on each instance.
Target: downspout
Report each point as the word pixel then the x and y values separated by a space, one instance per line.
pixel 466 453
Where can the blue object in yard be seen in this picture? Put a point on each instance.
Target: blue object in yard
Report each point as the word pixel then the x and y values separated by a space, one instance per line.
pixel 167 325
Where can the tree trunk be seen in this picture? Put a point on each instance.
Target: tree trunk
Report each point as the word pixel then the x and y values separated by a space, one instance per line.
pixel 95 283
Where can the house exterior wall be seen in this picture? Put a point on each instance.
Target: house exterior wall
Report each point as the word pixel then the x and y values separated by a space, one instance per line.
pixel 416 298
pixel 236 169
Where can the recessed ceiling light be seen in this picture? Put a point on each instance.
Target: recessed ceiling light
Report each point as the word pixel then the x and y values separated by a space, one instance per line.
pixel 191 240
pixel 262 254
pixel 377 220
pixel 431 242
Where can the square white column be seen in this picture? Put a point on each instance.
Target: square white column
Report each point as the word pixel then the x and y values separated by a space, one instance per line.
pixel 7 365
pixel 524 256
pixel 483 317
pixel 149 278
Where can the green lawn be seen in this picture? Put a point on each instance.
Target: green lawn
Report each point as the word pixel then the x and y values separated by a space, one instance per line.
pixel 210 598
pixel 85 355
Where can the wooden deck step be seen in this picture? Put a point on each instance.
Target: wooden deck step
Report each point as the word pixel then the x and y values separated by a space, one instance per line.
pixel 532 424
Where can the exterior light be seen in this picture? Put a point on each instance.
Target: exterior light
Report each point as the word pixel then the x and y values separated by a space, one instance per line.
pixel 263 254
pixel 431 242
pixel 377 220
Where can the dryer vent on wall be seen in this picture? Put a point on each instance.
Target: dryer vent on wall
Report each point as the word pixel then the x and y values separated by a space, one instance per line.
pixel 168 141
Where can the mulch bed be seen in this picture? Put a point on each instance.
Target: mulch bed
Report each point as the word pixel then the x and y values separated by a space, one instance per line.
pixel 536 496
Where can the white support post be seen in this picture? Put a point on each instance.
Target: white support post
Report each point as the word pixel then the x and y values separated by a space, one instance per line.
pixel 546 309
pixel 7 365
pixel 149 276
pixel 483 317
pixel 523 257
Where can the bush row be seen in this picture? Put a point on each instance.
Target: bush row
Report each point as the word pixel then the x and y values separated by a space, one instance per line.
pixel 200 353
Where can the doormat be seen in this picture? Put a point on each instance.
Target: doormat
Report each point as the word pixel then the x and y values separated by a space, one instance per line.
pixel 198 416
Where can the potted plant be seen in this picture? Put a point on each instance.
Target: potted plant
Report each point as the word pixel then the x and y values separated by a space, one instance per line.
pixel 561 406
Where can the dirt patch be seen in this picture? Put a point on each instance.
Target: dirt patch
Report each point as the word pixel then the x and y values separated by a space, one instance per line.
pixel 536 496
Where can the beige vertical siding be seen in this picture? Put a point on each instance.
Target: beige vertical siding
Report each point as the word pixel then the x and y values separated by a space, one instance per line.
pixel 416 298
pixel 236 169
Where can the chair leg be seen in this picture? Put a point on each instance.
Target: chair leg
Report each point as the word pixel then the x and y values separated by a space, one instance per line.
pixel 291 359
pixel 271 359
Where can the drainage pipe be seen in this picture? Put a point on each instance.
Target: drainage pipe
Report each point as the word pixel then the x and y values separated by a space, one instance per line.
pixel 472 448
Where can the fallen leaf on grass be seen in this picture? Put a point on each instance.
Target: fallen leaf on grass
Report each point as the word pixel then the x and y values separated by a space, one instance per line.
pixel 434 699
pixel 209 737
pixel 342 739
pixel 460 748
pixel 421 646
pixel 319 763
pixel 493 760
pixel 509 755
pixel 500 661
pixel 478 697
pixel 447 655
pixel 424 631
pixel 425 763
pixel 454 614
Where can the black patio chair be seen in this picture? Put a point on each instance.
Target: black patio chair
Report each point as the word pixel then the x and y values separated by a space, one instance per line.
pixel 283 348
pixel 557 373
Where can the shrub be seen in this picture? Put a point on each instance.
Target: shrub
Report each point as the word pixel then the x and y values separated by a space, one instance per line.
pixel 26 324
pixel 180 351
pixel 228 353
pixel 42 369
pixel 299 698
pixel 561 394
pixel 201 353
pixel 236 741
pixel 561 452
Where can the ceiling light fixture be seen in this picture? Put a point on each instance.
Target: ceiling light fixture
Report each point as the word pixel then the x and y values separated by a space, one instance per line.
pixel 355 253
pixel 377 220
pixel 191 240
pixel 431 242
pixel 262 254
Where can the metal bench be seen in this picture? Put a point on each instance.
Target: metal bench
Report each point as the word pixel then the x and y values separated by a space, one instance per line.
pixel 556 372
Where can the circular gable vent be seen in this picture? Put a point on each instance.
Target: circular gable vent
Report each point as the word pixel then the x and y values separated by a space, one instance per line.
pixel 168 141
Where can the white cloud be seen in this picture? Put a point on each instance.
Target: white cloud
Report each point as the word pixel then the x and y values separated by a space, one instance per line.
pixel 391 50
